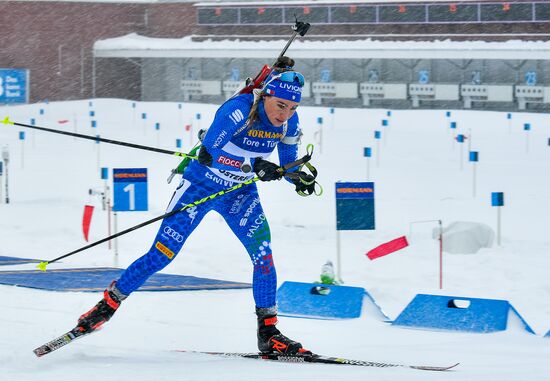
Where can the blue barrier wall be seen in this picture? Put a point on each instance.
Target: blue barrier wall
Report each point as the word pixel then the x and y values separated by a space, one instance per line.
pixel 457 313
pixel 320 301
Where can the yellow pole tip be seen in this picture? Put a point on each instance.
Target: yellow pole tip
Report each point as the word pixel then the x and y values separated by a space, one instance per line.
pixel 42 266
pixel 7 120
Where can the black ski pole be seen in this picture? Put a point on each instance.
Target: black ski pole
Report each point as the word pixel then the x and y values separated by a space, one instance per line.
pixel 300 28
pixel 97 139
pixel 42 265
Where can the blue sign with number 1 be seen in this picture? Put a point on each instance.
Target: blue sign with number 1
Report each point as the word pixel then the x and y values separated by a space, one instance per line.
pixel 130 189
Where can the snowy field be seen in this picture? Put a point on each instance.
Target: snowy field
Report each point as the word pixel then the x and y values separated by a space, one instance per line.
pixel 418 178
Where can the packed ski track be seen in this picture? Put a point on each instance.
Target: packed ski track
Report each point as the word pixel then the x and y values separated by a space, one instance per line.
pixel 417 177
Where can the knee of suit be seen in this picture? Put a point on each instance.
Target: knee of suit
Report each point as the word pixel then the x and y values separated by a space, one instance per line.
pixel 163 252
pixel 139 271
pixel 153 262
pixel 263 264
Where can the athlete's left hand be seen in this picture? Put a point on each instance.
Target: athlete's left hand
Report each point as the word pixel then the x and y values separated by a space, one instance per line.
pixel 266 170
pixel 305 186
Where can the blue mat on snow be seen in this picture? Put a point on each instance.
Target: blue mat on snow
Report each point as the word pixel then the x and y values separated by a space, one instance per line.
pixel 96 279
pixel 16 261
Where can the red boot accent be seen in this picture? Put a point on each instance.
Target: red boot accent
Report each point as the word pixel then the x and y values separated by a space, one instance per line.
pixel 278 346
pixel 110 301
pixel 270 321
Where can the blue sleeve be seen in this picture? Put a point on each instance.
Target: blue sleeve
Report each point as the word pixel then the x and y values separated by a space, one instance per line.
pixel 289 152
pixel 229 118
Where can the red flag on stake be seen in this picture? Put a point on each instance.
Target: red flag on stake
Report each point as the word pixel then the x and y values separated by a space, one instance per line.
pixel 87 220
pixel 63 121
pixel 388 248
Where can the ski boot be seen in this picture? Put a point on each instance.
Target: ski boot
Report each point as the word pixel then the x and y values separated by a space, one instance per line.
pixel 270 339
pixel 102 311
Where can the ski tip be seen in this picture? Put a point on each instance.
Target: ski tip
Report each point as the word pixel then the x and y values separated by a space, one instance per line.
pixel 42 266
pixel 435 368
pixel 7 120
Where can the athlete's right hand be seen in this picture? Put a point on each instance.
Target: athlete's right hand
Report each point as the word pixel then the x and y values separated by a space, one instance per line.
pixel 266 170
pixel 204 157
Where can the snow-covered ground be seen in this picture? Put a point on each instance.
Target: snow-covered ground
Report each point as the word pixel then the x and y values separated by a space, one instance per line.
pixel 418 178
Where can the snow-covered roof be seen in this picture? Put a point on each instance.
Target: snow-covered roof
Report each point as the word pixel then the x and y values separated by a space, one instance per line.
pixel 133 45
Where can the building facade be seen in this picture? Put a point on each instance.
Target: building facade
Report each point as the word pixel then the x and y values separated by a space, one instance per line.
pixel 55 41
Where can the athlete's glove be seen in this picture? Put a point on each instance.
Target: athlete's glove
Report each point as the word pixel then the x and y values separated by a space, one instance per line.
pixel 204 157
pixel 305 186
pixel 266 170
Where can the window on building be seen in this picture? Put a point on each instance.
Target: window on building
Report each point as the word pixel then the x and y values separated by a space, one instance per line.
pixel 542 12
pixel 314 15
pixel 262 15
pixel 402 13
pixel 506 12
pixel 452 13
pixel 352 14
pixel 218 15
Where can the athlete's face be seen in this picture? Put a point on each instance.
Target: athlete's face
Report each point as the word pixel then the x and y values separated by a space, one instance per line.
pixel 279 110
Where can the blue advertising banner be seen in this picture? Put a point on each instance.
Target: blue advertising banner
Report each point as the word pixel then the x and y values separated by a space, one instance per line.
pixel 14 86
pixel 355 206
pixel 130 189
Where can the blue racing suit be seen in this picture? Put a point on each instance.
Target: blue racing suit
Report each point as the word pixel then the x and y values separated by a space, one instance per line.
pixel 231 141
